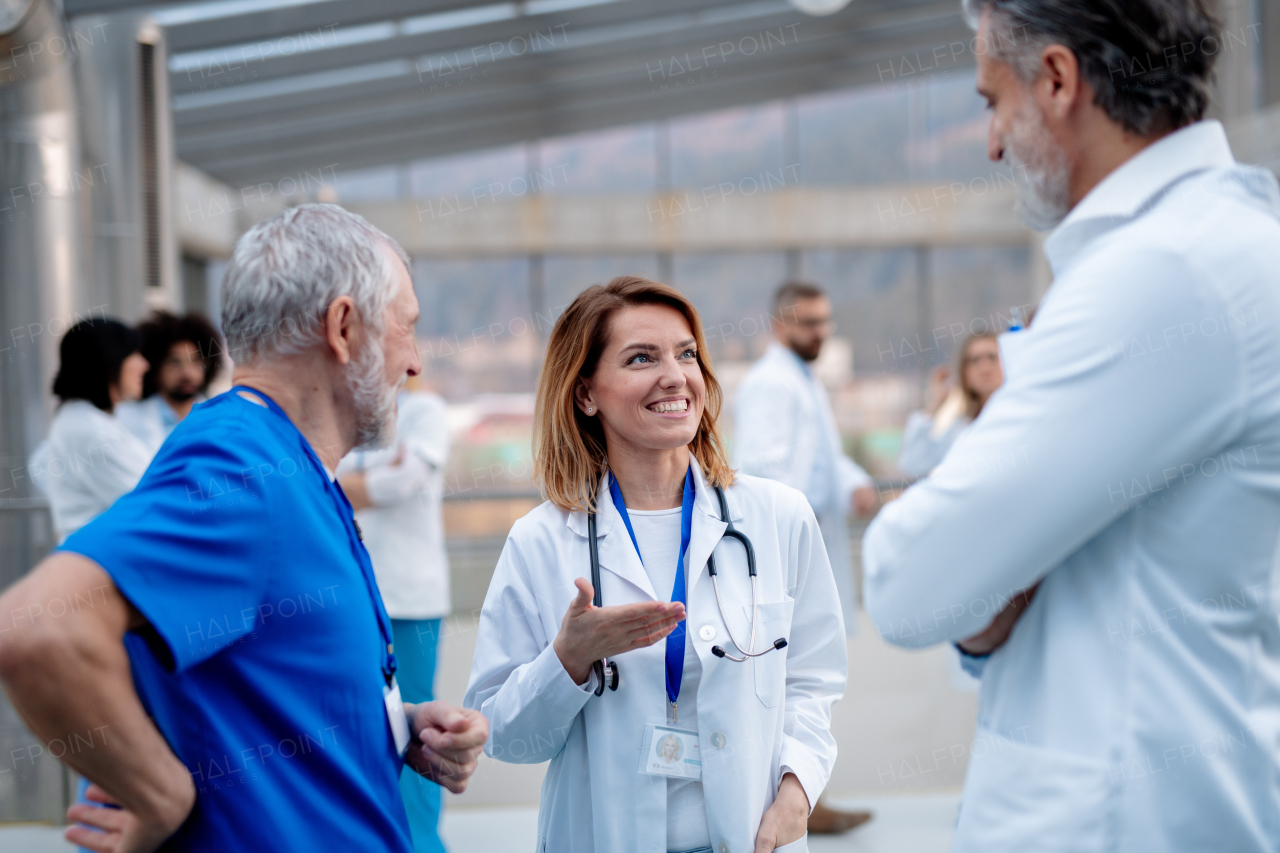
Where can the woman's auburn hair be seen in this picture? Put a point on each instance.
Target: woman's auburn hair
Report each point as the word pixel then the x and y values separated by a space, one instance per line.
pixel 569 452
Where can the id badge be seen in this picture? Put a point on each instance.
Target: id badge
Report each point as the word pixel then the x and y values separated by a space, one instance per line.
pixel 669 750
pixel 396 716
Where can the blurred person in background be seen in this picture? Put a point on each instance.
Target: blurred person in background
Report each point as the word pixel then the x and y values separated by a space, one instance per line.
pixel 185 354
pixel 90 459
pixel 785 430
pixel 1129 466
pixel 236 647
pixel 628 449
pixel 396 493
pixel 949 410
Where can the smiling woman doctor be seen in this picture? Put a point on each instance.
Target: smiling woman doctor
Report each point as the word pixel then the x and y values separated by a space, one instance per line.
pixel 700 746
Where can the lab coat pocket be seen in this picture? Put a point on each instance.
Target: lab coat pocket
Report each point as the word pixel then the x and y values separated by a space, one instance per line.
pixel 1016 791
pixel 774 620
pixel 800 845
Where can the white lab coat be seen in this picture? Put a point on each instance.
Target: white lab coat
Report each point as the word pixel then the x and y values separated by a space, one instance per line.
pixel 756 720
pixel 88 461
pixel 779 431
pixel 1132 463
pixel 922 450
pixel 404 529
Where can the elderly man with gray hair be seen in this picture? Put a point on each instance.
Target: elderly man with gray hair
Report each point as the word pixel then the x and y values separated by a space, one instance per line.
pixel 220 626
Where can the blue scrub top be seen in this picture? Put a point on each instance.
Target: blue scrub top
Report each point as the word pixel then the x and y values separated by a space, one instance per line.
pixel 263 663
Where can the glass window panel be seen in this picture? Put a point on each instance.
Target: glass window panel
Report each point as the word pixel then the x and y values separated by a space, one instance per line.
pixel 620 160
pixel 728 146
pixel 854 137
pixel 973 292
pixel 568 275
pixel 954 147
pixel 495 173
pixel 733 293
pixel 476 333
pixel 376 184
pixel 873 295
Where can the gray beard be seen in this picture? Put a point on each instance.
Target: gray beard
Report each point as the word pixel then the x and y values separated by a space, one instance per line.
pixel 1040 171
pixel 374 400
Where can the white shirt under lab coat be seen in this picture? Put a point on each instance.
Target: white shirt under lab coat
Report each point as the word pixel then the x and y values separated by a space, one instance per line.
pixel 404 529
pixel 784 430
pixel 88 461
pixel 1132 462
pixel 756 720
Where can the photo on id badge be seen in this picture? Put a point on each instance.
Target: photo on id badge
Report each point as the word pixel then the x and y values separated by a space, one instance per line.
pixel 672 751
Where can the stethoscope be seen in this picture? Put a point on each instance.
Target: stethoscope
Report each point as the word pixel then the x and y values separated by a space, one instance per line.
pixel 607 672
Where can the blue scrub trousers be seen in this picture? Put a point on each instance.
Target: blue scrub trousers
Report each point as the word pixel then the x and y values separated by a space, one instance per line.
pixel 416 643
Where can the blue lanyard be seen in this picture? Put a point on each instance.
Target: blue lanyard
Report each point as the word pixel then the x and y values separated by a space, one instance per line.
pixel 675 640
pixel 348 521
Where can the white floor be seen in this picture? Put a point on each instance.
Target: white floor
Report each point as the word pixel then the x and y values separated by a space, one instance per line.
pixel 904 824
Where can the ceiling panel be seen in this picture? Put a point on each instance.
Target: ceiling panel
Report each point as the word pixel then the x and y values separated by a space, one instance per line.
pixel 383 81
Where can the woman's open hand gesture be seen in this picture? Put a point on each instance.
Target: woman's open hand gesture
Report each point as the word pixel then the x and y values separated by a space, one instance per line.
pixel 589 633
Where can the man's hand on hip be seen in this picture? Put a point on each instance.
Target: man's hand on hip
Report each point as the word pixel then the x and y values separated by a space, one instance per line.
pixel 116 830
pixel 447 741
pixel 73 674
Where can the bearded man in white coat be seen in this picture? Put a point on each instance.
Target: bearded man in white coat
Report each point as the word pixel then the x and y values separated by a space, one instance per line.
pixel 1126 477
pixel 785 431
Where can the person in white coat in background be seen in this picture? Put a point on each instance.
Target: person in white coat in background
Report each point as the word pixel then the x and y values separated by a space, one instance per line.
pixel 785 430
pixel 1126 478
pixel 90 459
pixel 397 493
pixel 185 354
pixel 950 409
pixel 699 747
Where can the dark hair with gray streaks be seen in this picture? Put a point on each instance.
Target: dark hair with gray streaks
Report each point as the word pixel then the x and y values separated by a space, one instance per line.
pixel 1150 62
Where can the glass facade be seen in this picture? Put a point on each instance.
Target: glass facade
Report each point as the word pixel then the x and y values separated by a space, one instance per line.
pixel 900 311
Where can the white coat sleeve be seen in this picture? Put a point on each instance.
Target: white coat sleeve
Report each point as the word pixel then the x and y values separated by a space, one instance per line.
pixel 517 681
pixel 423 439
pixel 1119 392
pixel 852 475
pixel 426 434
pixel 119 463
pixel 920 452
pixel 817 659
pixel 390 485
pixel 765 431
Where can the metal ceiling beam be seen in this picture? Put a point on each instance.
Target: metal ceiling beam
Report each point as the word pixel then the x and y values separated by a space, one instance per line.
pixel 556 31
pixel 619 62
pixel 375 102
pixel 629 66
pixel 307 17
pixel 492 126
pixel 97 7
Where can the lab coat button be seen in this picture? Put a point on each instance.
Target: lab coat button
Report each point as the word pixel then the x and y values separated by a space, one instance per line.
pixel 717 740
pixel 707 632
pixel 724 847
